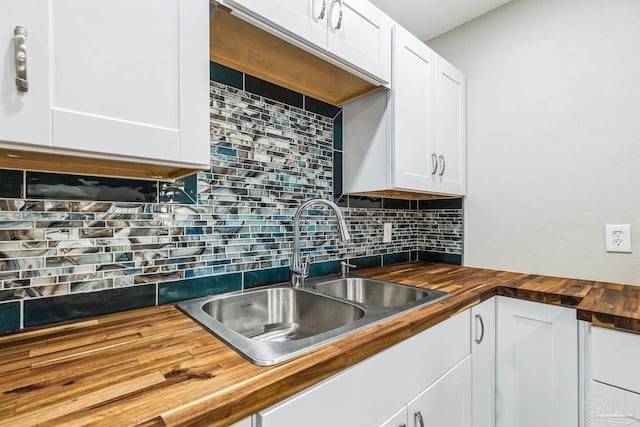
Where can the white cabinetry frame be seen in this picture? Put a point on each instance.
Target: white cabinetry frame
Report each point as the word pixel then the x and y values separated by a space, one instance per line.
pixel 483 366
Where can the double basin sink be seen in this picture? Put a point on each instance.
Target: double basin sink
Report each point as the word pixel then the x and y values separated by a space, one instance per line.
pixel 270 325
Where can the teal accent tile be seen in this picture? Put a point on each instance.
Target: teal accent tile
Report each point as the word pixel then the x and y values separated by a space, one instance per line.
pixel 440 204
pixel 320 107
pixel 183 190
pixel 396 258
pixel 396 204
pixel 42 185
pixel 42 311
pixel 365 202
pixel 9 316
pixel 225 75
pixel 267 276
pixel 11 183
pixel 198 287
pixel 269 90
pixel 337 175
pixel 337 132
pixel 366 261
pixel 324 268
pixel 440 257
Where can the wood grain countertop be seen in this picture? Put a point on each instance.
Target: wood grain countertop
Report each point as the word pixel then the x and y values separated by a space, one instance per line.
pixel 155 366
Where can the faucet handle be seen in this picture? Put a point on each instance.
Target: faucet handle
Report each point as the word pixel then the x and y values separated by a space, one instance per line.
pixel 305 266
pixel 344 267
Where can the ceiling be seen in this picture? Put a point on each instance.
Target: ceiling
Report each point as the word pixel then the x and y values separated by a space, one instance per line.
pixel 427 19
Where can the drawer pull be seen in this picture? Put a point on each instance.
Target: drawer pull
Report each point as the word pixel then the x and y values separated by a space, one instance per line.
pixel 479 340
pixel 418 416
pixel 20 40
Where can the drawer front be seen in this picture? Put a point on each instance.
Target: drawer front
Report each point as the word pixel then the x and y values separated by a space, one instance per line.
pixel 615 358
pixel 611 406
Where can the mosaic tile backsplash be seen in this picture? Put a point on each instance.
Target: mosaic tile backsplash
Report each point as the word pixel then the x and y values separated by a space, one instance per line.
pixel 72 246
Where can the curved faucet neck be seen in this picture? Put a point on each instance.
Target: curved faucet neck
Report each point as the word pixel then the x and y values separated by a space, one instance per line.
pixel 299 269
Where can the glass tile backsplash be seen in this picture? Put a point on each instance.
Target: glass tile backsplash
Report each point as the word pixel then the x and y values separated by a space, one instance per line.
pixel 74 246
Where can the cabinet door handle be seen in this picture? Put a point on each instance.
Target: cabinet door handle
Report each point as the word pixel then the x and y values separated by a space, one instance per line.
pixel 323 11
pixel 20 40
pixel 444 165
pixel 434 163
pixel 479 340
pixel 402 425
pixel 339 24
pixel 418 416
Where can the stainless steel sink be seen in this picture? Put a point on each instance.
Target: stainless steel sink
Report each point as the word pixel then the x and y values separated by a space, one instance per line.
pixel 281 314
pixel 376 292
pixel 270 325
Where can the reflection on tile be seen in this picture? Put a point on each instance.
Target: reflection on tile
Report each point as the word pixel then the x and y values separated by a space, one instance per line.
pixel 41 185
pixel 9 316
pixel 365 202
pixel 199 287
pixel 183 190
pixel 11 183
pixel 396 258
pixel 267 276
pixel 440 257
pixel 41 311
pixel 319 107
pixel 271 91
pixel 222 74
pixel 366 261
pixel 396 204
pixel 440 204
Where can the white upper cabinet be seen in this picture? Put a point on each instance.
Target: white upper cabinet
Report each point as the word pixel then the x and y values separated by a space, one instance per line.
pixel 25 116
pixel 412 138
pixel 352 33
pixel 122 78
pixel 450 129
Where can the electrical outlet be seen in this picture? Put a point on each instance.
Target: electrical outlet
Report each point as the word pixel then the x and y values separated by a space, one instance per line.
pixel 386 236
pixel 618 237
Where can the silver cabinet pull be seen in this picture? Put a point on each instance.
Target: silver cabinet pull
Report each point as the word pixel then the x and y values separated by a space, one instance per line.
pixel 20 40
pixel 323 11
pixel 418 416
pixel 434 163
pixel 339 24
pixel 479 340
pixel 402 425
pixel 441 158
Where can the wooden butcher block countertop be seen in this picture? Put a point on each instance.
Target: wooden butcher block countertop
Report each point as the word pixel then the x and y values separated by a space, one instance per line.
pixel 155 366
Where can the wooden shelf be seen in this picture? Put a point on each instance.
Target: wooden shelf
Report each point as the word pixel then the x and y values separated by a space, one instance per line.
pixel 244 47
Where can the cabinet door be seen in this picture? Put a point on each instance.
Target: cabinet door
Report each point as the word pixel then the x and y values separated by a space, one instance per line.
pixel 537 365
pixel 447 402
pixel 399 419
pixel 449 126
pixel 483 366
pixel 24 116
pixel 413 65
pixel 359 33
pixel 131 78
pixel 301 19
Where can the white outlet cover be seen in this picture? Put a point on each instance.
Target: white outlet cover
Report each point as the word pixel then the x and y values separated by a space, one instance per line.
pixel 618 237
pixel 386 237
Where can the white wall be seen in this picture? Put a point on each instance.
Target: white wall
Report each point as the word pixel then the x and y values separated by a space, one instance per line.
pixel 553 135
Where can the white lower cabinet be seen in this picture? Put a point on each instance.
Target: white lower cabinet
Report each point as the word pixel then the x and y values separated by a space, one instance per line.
pixel 612 386
pixel 483 363
pixel 399 419
pixel 536 365
pixel 367 394
pixel 445 403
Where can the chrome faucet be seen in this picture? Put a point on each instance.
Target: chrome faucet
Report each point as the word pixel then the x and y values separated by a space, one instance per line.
pixel 300 268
